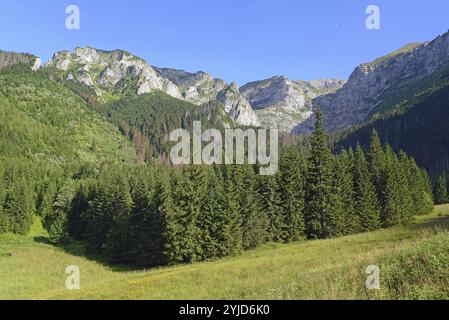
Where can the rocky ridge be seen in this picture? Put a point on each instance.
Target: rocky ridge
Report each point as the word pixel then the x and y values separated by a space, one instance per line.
pixel 283 104
pixel 370 84
pixel 111 72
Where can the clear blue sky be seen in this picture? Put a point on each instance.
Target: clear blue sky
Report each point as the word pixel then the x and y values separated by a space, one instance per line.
pixel 241 40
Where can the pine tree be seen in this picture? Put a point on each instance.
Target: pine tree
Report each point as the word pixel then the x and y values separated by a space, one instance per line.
pixel 392 210
pixel 376 161
pixel 340 183
pixel 170 216
pixel 292 196
pixel 345 179
pixel 117 242
pixel 189 191
pixel 146 225
pixel 210 221
pixel 80 205
pixel 255 220
pixel 98 218
pixel 420 189
pixel 366 203
pixel 233 236
pixel 319 184
pixel 48 197
pixel 405 186
pixel 57 222
pixel 18 207
pixel 271 206
pixel 4 223
pixel 441 194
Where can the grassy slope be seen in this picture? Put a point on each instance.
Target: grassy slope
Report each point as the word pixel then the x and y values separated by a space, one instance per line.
pixel 325 269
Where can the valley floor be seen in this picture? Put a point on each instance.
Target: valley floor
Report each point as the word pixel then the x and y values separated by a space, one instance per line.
pixel 413 261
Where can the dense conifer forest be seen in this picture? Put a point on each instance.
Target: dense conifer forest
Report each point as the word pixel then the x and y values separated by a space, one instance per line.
pixel 145 213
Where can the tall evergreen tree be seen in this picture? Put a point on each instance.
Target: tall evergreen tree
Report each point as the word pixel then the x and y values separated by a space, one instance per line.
pixel 189 191
pixel 57 222
pixel 99 218
pixel 18 207
pixel 319 184
pixel 405 186
pixel 170 216
pixel 376 161
pixel 271 205
pixel 146 224
pixel 392 208
pixel 291 186
pixel 345 179
pixel 441 194
pixel 118 246
pixel 366 203
pixel 233 236
pixel 77 225
pixel 211 218
pixel 339 184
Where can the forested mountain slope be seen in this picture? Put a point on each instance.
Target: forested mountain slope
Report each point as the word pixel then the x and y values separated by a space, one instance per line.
pixel 148 119
pixel 419 126
pixel 42 120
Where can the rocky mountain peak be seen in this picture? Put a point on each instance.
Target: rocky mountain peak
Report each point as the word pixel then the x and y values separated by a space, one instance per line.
pixel 237 107
pixel 111 72
pixel 282 103
pixel 197 88
pixel 371 83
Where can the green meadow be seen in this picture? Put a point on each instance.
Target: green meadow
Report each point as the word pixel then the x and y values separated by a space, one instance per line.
pixel 413 261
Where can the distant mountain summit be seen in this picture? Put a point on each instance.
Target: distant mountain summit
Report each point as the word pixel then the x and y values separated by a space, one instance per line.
pixel 111 73
pixel 282 103
pixel 377 86
pixel 277 102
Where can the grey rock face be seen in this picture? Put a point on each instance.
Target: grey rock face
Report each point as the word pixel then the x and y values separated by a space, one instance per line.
pixel 283 104
pixel 370 83
pixel 111 72
pixel 237 107
pixel 197 88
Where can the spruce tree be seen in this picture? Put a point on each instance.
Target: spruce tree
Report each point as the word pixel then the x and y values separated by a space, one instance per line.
pixel 18 207
pixel 146 225
pixel 392 208
pixel 366 204
pixel 170 216
pixel 210 221
pixel 405 185
pixel 57 222
pixel 233 236
pixel 341 198
pixel 99 218
pixel 189 192
pixel 441 194
pixel 271 206
pixel 345 179
pixel 4 223
pixel 318 184
pixel 291 187
pixel 77 225
pixel 118 239
pixel 376 161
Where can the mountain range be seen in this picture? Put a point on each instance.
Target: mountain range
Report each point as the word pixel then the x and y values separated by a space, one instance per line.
pixel 374 90
pixel 277 102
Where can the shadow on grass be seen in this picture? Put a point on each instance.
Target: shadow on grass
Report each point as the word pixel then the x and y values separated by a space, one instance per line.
pixel 78 249
pixel 440 222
